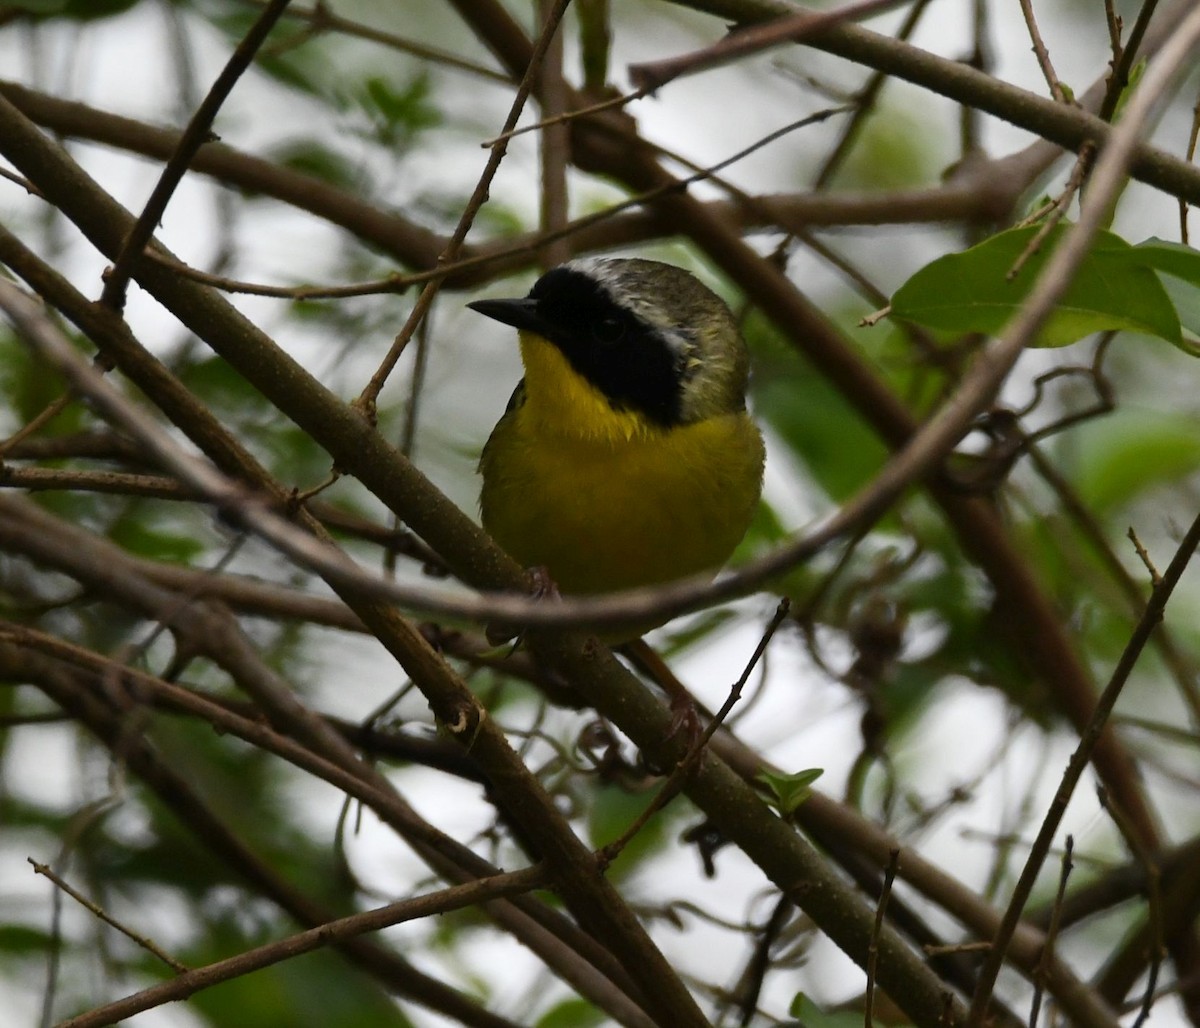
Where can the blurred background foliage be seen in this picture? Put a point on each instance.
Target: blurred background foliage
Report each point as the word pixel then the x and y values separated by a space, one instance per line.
pixel 896 673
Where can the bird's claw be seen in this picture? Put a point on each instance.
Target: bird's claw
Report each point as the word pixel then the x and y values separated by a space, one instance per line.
pixel 685 721
pixel 542 587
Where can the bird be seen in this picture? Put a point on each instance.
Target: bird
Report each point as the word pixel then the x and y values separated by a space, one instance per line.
pixel 626 456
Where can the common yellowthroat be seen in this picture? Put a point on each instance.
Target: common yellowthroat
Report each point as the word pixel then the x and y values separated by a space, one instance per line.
pixel 626 456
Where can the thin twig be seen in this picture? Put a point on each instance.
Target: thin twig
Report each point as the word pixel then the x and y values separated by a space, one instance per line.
pixel 864 104
pixel 743 42
pixel 36 423
pixel 367 398
pixel 198 132
pixel 1113 21
pixel 672 786
pixel 751 981
pixel 1144 557
pixel 187 984
pixel 1039 976
pixel 143 941
pixel 323 19
pixel 1181 668
pixel 1042 54
pixel 555 148
pixel 1190 155
pixel 1154 900
pixel 1078 763
pixel 24 183
pixel 982 58
pixel 1056 210
pixel 889 876
pixel 566 117
pixel 1124 58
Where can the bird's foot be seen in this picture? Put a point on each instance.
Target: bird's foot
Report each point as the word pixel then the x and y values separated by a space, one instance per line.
pixel 542 587
pixel 685 720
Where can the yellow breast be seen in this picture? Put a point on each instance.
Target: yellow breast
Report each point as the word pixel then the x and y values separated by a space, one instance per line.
pixel 605 499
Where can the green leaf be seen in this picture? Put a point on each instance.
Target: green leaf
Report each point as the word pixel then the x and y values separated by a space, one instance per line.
pixel 143 540
pixel 893 150
pixel 22 940
pixel 595 40
pixel 1174 259
pixel 789 791
pixel 1117 459
pixel 1179 269
pixel 572 1013
pixel 1135 76
pixel 76 10
pixel 816 421
pixel 314 989
pixel 809 1015
pixel 28 385
pixel 1186 299
pixel 1114 289
pixel 327 163
pixel 612 811
pixel 295 69
pixel 42 7
pixel 397 114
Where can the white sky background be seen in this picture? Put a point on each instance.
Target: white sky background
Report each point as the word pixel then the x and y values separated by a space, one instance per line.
pixel 124 65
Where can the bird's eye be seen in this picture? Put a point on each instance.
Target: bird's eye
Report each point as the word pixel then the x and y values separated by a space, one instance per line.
pixel 608 330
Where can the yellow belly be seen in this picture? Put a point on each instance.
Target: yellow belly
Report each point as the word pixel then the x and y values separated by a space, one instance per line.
pixel 601 513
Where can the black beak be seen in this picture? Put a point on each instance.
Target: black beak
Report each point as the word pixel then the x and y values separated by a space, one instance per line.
pixel 521 314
